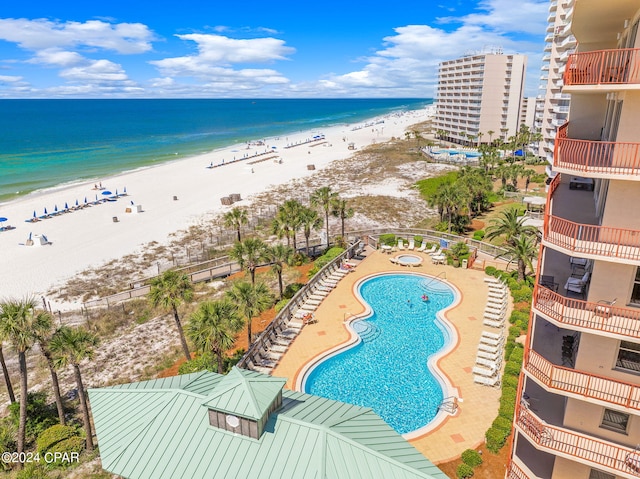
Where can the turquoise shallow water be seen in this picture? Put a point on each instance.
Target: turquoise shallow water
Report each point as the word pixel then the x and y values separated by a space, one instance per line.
pixel 45 143
pixel 387 371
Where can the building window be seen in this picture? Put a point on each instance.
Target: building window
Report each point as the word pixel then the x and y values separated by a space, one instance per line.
pixel 635 292
pixel 615 420
pixel 595 474
pixel 629 356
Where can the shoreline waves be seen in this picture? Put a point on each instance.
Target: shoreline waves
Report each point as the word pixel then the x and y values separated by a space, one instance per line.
pixel 171 196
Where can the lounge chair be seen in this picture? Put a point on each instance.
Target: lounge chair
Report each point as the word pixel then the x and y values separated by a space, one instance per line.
pixel 494 317
pixel 495 308
pixel 436 253
pixel 489 334
pixel 489 349
pixel 487 381
pixel 488 363
pixel 482 371
pixel 489 356
pixel 491 342
pixel 578 285
pixel 431 250
pixel 422 246
pixel 412 245
pixel 493 323
pixel 491 279
pixel 401 244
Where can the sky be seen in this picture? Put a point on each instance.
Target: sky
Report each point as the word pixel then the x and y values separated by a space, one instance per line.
pixel 254 49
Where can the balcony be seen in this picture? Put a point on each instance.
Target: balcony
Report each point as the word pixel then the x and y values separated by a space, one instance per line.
pixel 588 316
pixel 581 385
pixel 584 237
pixel 597 159
pixel 620 67
pixel 589 450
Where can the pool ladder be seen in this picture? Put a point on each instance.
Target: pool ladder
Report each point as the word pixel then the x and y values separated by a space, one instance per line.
pixel 449 404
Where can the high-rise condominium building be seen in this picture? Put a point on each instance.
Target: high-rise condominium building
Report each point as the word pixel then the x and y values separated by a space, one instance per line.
pixel 553 107
pixel 578 411
pixel 479 97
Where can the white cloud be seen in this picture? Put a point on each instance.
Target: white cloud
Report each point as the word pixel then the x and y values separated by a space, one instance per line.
pixel 57 57
pixel 9 79
pixel 42 34
pixel 97 71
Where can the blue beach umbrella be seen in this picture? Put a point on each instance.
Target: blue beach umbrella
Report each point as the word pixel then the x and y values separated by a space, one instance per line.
pixel 45 211
pixel 3 219
pixel 55 209
pixel 66 206
pixel 85 200
pixel 107 193
pixel 125 191
pixel 77 201
pixel 34 214
pixel 116 191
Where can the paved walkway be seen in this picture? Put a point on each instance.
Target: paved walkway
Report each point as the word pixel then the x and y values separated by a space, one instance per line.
pixel 479 404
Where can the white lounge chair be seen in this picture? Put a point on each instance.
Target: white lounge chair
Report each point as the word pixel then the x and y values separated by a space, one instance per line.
pixel 412 244
pixel 489 356
pixel 401 244
pixel 489 349
pixel 493 323
pixel 494 365
pixel 490 334
pixel 491 279
pixel 494 317
pixel 495 308
pixel 485 381
pixel 482 371
pixel 422 246
pixel 437 252
pixel 491 342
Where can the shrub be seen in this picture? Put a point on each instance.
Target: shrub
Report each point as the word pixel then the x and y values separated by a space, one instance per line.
pixel 471 457
pixel 502 424
pixel 512 367
pixel 478 235
pixel 33 470
pixel 524 293
pixel 518 316
pixel 52 436
pixel 509 381
pixel 507 403
pixel 40 414
pixel 388 239
pixel 291 290
pixel 72 444
pixel 518 354
pixel 464 471
pixel 417 239
pixel 490 270
pixel 495 439
pixel 280 304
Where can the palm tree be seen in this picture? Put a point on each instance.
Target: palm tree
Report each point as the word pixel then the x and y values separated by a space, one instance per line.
pixel 235 219
pixel 279 255
pixel 5 372
pixel 170 290
pixel 251 300
pixel 527 174
pixel 72 346
pixel 515 171
pixel 490 133
pixel 310 221
pixel 290 213
pixel 342 211
pixel 441 134
pixel 43 331
pixel 280 228
pixel 509 226
pixel 248 254
pixel 324 198
pixel 213 327
pixel 448 201
pixel 17 321
pixel 523 250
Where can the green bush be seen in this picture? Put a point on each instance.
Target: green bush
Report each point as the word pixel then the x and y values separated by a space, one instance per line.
pixel 471 457
pixel 280 304
pixel 388 239
pixel 518 316
pixel 206 362
pixel 518 354
pixel 512 367
pixel 50 437
pixel 490 271
pixel 495 439
pixel 325 259
pixel 40 414
pixel 333 252
pixel 502 424
pixel 509 381
pixel 507 403
pixel 72 444
pixel 524 293
pixel 33 470
pixel 478 235
pixel 291 289
pixel 464 471
pixel 418 240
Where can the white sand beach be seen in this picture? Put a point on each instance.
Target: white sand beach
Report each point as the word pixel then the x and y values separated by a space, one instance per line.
pixel 89 237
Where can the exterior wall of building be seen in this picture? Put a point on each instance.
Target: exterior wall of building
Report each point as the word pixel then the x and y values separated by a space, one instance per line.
pixel 477 94
pixel 565 469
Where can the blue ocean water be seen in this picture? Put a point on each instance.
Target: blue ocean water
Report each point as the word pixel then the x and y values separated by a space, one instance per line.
pixel 45 143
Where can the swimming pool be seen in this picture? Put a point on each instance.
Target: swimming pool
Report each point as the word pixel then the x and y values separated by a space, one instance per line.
pixel 468 154
pixel 389 369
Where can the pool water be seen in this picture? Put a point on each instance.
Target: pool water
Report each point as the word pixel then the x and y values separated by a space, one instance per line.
pixel 387 371
pixel 468 154
pixel 408 258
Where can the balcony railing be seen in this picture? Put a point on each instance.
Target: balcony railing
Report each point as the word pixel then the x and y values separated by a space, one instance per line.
pixel 514 472
pixel 604 157
pixel 581 383
pixel 592 240
pixel 603 67
pixel 618 459
pixel 576 313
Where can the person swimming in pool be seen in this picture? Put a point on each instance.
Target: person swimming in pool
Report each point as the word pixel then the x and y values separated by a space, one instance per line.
pixel 425 297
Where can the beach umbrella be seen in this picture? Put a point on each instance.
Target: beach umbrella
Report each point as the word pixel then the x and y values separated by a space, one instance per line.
pixel 66 206
pixel 116 191
pixel 125 191
pixel 3 219
pixel 107 193
pixel 77 201
pixel 34 214
pixel 55 209
pixel 45 211
pixel 85 200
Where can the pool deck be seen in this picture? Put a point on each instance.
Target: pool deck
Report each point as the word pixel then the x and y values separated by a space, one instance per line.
pixel 479 405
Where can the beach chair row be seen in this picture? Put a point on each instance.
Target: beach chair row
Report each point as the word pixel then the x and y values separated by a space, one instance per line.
pixel 497 301
pixel 277 340
pixel 489 359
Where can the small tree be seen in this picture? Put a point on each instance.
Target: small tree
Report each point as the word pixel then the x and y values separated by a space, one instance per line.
pixel 248 254
pixel 251 300
pixel 324 198
pixel 278 255
pixel 72 346
pixel 235 219
pixel 170 290
pixel 341 210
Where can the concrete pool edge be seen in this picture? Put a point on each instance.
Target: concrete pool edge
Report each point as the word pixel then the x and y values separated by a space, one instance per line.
pixel 451 341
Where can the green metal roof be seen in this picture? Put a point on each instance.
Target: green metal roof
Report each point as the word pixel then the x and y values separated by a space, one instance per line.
pixel 160 429
pixel 242 394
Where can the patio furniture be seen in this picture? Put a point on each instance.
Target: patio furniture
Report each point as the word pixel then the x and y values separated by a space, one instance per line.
pixel 549 282
pixel 578 285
